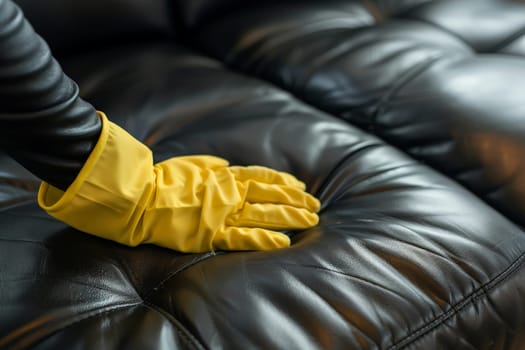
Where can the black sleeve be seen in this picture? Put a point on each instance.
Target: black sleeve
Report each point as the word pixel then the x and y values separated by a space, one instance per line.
pixel 44 125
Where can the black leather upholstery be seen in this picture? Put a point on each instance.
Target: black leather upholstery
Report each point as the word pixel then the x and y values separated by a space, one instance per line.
pixel 74 27
pixel 436 80
pixel 406 118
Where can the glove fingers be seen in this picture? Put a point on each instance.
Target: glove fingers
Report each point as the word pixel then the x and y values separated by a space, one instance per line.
pixel 265 175
pixel 273 216
pixel 243 238
pixel 259 192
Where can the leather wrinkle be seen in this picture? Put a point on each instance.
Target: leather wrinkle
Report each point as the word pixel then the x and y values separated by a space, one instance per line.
pixel 19 200
pixel 174 273
pixel 410 76
pixel 346 274
pixel 355 327
pixel 430 293
pixel 273 41
pixel 440 28
pixel 375 8
pixel 341 50
pixel 132 276
pixel 508 41
pixel 332 55
pixel 404 80
pixel 456 308
pixel 185 335
pixel 77 318
pixel 337 168
pixel 501 320
pixel 236 53
pixel 28 339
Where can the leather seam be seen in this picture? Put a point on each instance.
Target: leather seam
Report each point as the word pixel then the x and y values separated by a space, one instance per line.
pixel 171 275
pixel 479 293
pixel 185 336
pixel 132 276
pixel 19 341
pixel 182 331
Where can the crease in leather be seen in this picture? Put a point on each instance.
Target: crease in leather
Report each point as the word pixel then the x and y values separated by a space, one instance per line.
pixel 181 330
pixel 481 292
pixel 173 274
pixel 20 339
pixel 508 41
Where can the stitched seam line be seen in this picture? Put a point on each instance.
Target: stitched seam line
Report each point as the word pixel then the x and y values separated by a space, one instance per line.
pixel 170 276
pixel 23 341
pixel 182 331
pixel 473 297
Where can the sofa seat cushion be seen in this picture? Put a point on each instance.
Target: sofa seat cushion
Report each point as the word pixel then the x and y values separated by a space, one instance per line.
pixel 403 257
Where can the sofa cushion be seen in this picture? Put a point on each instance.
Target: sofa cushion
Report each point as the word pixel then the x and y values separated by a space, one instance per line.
pixel 437 79
pixel 403 257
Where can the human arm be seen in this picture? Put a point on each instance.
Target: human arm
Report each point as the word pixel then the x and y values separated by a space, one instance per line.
pixel 113 189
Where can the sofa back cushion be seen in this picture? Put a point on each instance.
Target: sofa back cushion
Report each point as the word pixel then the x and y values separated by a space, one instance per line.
pixel 197 12
pixel 84 25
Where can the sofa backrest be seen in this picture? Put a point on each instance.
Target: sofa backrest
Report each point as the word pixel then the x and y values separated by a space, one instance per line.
pixel 82 25
pixel 196 12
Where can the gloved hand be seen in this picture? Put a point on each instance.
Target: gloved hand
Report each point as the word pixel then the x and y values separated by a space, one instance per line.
pixel 189 204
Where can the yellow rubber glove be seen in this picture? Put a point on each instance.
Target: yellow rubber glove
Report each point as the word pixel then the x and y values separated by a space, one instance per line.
pixel 189 204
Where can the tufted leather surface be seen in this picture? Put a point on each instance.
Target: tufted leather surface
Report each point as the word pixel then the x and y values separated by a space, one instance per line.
pixel 424 79
pixel 404 256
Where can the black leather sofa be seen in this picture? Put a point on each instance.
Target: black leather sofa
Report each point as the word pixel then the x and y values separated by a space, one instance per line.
pixel 405 117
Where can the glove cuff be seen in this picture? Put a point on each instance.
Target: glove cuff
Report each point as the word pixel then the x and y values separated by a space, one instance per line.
pixel 117 177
